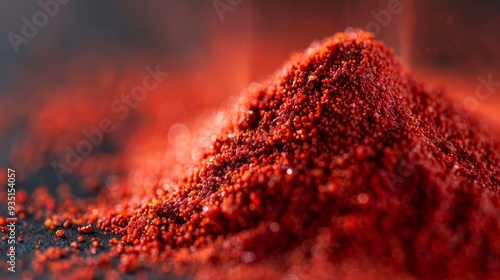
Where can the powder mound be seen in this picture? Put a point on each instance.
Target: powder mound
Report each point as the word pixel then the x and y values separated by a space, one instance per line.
pixel 341 158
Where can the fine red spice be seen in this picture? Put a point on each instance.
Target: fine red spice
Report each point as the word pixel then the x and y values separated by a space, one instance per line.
pixel 342 157
pixel 60 233
pixel 341 165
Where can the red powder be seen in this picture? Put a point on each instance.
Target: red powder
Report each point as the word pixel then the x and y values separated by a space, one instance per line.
pixel 341 165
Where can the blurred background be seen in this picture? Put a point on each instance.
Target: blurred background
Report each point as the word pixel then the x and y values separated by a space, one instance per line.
pixel 65 63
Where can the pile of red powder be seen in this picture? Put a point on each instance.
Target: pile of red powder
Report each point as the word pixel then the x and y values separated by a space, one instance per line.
pixel 341 165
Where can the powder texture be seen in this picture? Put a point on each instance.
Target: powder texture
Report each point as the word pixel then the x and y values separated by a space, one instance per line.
pixel 342 145
pixel 342 164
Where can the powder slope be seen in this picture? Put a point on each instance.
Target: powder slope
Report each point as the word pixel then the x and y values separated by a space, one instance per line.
pixel 341 162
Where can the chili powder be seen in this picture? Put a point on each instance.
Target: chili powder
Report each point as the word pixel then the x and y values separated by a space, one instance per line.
pixel 341 164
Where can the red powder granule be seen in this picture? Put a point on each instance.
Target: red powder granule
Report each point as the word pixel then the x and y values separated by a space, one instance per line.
pixel 60 233
pixel 48 223
pixel 86 229
pixel 341 165
pixel 67 224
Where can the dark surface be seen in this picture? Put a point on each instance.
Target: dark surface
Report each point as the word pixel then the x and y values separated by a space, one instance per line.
pixel 36 233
